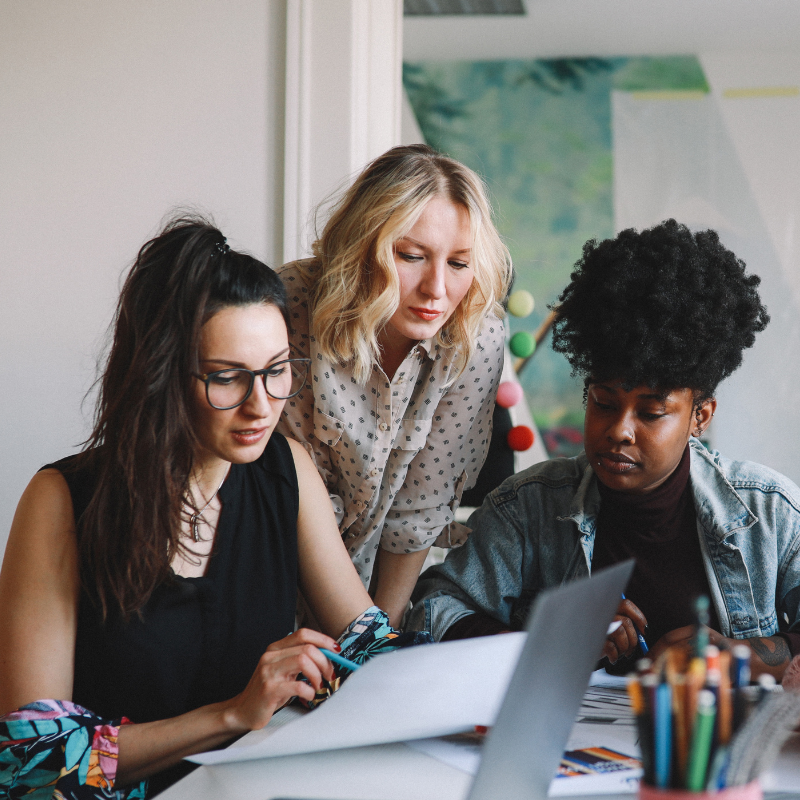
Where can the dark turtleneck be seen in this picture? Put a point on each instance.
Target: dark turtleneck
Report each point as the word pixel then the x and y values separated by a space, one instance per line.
pixel 659 530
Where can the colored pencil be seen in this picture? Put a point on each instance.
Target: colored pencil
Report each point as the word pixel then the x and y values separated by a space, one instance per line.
pixel 701 741
pixel 340 660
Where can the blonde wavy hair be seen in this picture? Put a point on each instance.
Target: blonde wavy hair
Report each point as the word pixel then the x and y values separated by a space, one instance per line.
pixel 355 285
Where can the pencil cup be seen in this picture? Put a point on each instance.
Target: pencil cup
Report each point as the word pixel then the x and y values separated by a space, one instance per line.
pixel 750 791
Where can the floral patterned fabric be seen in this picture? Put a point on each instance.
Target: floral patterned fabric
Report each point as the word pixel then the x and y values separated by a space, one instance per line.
pixel 57 749
pixel 370 634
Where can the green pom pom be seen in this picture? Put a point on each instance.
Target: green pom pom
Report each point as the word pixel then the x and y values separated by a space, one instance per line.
pixel 522 344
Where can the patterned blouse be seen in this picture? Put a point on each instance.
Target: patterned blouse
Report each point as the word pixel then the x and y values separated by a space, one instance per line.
pixel 395 455
pixel 57 750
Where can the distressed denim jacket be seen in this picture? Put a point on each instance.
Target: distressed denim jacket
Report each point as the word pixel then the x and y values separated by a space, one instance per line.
pixel 537 530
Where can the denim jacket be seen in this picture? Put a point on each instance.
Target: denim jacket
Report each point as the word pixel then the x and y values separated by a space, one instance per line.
pixel 537 530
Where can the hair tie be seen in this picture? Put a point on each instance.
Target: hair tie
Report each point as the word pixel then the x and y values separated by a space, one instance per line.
pixel 222 247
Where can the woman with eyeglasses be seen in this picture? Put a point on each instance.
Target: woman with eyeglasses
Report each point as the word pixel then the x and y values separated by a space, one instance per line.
pixel 153 577
pixel 400 313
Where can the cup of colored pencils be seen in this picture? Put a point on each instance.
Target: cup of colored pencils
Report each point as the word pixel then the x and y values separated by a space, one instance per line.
pixel 703 727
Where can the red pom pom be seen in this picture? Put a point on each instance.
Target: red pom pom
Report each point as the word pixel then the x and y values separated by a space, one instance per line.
pixel 520 437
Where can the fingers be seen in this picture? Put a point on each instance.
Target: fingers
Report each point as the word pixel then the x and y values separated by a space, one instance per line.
pixel 622 642
pixel 305 636
pixel 610 651
pixel 625 640
pixel 676 636
pixel 631 610
pixel 276 680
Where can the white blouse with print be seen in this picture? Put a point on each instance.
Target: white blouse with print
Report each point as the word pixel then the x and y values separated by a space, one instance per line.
pixel 395 455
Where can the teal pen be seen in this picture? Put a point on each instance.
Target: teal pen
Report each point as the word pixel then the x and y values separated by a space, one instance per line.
pixel 663 735
pixel 337 659
pixel 642 643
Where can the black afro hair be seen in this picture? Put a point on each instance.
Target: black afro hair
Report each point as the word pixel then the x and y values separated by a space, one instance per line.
pixel 665 308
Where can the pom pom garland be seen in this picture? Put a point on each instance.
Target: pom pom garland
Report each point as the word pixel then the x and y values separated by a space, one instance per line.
pixel 520 437
pixel 521 303
pixel 522 344
pixel 509 393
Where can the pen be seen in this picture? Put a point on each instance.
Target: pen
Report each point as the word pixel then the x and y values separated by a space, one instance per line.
pixel 741 665
pixel 337 659
pixel 680 728
pixel 644 723
pixel 725 714
pixel 701 637
pixel 701 741
pixel 642 643
pixel 663 735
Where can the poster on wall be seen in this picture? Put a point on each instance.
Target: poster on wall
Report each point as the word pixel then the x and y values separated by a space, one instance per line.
pixel 540 132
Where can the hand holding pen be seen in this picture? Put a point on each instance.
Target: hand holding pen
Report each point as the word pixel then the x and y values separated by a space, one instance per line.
pixel 625 640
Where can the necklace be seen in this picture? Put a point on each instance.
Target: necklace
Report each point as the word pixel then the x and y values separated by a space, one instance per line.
pixel 194 520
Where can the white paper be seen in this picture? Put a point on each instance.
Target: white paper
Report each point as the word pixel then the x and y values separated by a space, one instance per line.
pixel 466 756
pixel 415 693
pixel 601 678
pixel 604 720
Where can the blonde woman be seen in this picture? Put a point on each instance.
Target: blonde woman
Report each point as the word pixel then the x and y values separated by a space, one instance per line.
pixel 400 313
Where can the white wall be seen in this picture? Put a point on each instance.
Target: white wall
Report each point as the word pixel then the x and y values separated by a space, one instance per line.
pixel 343 102
pixel 725 161
pixel 111 113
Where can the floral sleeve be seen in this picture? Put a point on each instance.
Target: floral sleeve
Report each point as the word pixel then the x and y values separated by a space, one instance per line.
pixel 368 635
pixel 57 749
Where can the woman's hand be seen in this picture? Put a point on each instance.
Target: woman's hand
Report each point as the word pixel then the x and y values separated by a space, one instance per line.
pixel 768 654
pixel 152 746
pixel 683 637
pixel 624 640
pixel 275 680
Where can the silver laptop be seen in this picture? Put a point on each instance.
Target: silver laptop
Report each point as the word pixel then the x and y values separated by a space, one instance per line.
pixel 566 630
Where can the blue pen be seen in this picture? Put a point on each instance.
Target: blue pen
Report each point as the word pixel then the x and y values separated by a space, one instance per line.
pixel 642 643
pixel 337 659
pixel 663 735
pixel 741 665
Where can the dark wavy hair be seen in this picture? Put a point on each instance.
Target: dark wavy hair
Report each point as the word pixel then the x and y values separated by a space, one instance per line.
pixel 664 307
pixel 141 449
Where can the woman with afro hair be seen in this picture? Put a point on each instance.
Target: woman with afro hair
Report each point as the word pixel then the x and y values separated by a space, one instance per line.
pixel 652 321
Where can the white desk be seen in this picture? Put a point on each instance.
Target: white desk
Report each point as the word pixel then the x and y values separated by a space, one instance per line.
pixel 383 772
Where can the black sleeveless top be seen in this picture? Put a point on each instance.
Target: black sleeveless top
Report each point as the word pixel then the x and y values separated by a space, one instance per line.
pixel 199 639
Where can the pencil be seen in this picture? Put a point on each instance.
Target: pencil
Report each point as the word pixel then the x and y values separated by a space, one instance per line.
pixel 644 722
pixel 701 742
pixel 663 731
pixel 725 719
pixel 681 727
pixel 695 678
pixel 340 660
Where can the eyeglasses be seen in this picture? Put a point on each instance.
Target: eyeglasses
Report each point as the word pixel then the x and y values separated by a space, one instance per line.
pixel 229 388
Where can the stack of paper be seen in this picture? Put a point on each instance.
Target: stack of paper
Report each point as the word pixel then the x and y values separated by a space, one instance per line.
pixel 419 692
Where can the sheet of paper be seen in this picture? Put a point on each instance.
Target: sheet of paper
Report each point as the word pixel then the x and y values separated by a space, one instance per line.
pixel 604 720
pixel 416 693
pixel 601 678
pixel 466 756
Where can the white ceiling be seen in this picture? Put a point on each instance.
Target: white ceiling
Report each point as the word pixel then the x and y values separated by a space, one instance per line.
pixel 554 28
